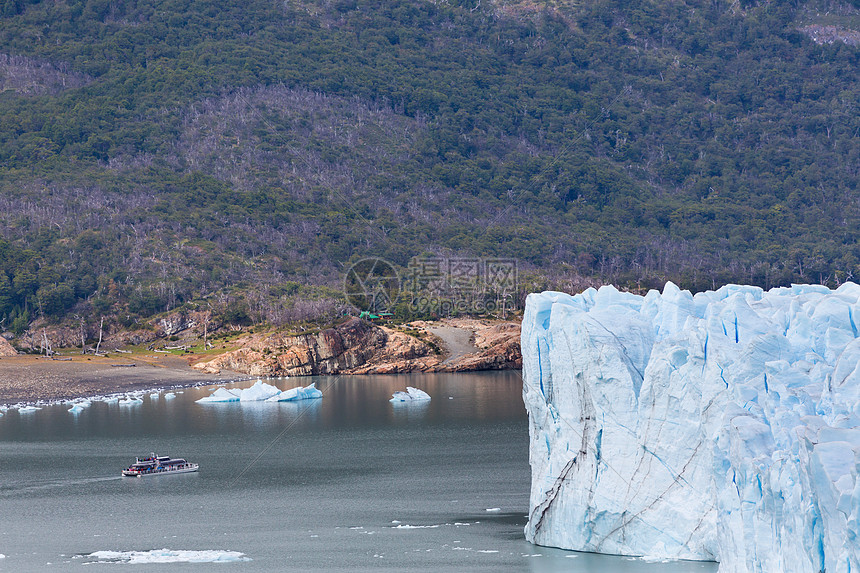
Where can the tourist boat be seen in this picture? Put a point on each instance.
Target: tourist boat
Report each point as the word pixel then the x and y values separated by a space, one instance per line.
pixel 158 466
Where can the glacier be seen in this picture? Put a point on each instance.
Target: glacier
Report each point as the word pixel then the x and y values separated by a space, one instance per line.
pixel 720 426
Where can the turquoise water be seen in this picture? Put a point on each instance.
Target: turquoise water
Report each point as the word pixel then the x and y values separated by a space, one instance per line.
pixel 347 483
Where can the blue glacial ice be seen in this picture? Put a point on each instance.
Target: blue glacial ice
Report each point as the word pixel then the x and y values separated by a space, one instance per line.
pixel 411 395
pixel 79 406
pixel 722 426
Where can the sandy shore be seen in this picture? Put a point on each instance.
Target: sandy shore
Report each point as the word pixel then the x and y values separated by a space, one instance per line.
pixel 457 341
pixel 34 378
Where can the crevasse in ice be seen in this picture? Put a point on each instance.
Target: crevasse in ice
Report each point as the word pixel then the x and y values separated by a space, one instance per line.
pixel 723 426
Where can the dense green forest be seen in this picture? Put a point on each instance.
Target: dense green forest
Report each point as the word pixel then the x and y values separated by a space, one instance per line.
pixel 160 153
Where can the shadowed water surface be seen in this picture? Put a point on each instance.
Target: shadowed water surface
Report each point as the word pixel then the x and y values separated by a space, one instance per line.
pixel 351 482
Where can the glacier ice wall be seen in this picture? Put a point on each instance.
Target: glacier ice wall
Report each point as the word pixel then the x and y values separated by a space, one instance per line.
pixel 722 426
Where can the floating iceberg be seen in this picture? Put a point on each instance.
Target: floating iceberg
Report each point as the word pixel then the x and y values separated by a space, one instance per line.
pixel 169 396
pixel 27 409
pixel 722 426
pixel 130 401
pixel 309 392
pixel 78 407
pixel 260 392
pixel 221 395
pixel 411 395
pixel 168 556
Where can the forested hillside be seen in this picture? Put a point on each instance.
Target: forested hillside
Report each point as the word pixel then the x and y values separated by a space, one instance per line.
pixel 155 153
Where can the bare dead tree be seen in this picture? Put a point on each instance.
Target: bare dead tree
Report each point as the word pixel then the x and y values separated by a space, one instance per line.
pixel 207 317
pixel 82 333
pixel 101 330
pixel 46 344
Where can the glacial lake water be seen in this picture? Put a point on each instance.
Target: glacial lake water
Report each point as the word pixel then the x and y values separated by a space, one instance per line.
pixel 350 482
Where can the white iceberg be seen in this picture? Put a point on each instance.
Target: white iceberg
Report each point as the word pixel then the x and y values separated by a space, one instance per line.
pixel 27 409
pixel 258 392
pixel 309 392
pixel 168 556
pixel 221 395
pixel 722 426
pixel 169 396
pixel 411 395
pixel 78 407
pixel 130 401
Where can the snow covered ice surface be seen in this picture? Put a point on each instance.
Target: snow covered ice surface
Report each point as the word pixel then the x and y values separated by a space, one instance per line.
pixel 411 395
pixel 167 556
pixel 723 426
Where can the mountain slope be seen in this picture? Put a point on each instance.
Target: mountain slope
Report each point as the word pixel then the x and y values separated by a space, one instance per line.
pixel 154 153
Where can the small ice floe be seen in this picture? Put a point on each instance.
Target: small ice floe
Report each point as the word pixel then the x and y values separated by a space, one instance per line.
pixel 309 392
pixel 493 509
pixel 78 407
pixel 411 395
pixel 130 401
pixel 153 396
pixel 168 556
pixel 169 396
pixel 27 409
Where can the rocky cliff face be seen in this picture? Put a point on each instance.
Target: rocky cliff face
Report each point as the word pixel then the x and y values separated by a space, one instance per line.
pixel 356 347
pixel 332 351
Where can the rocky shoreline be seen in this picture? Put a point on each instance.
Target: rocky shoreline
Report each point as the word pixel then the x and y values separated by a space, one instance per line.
pixel 358 347
pixel 352 347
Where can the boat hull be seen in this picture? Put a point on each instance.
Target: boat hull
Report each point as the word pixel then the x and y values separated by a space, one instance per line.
pixel 162 471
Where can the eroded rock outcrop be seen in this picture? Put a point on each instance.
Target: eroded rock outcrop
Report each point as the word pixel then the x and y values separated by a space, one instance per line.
pixel 332 351
pixel 356 347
